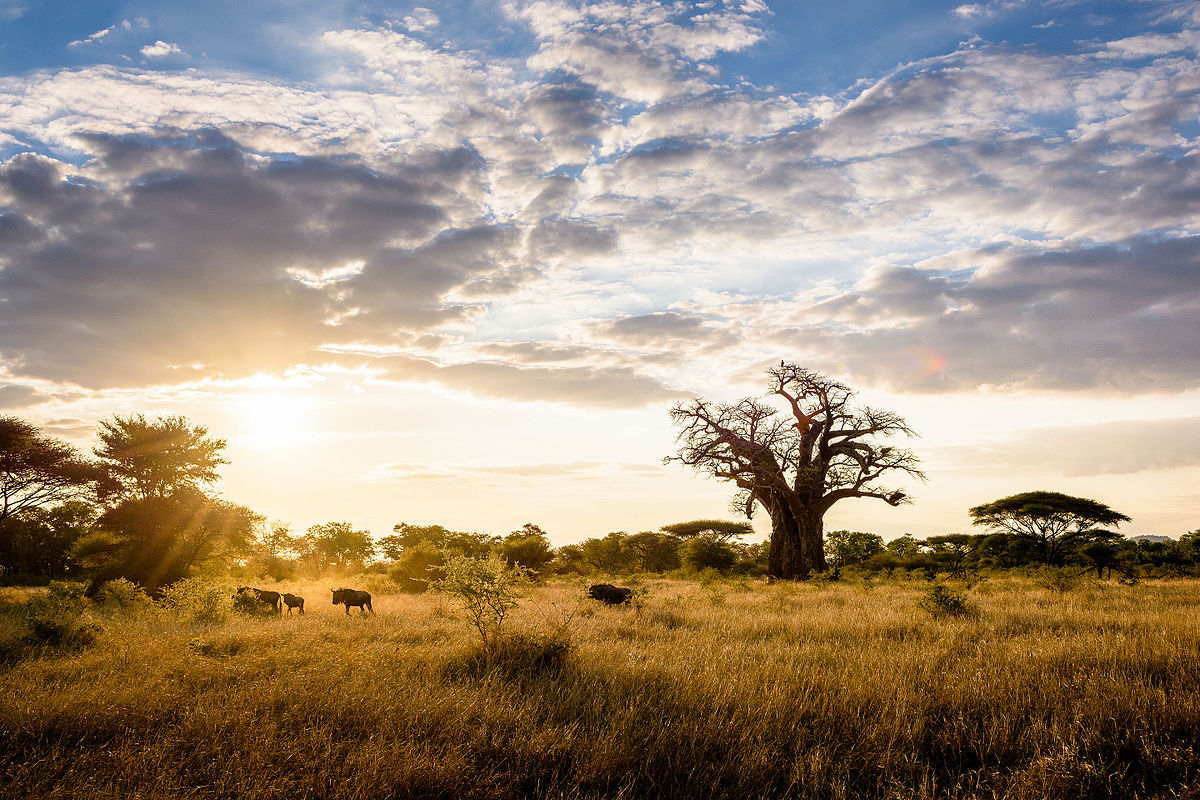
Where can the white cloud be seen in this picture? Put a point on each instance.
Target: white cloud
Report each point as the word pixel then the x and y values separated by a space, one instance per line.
pixel 161 49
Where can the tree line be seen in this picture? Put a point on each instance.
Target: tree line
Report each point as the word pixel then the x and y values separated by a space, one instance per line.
pixel 141 507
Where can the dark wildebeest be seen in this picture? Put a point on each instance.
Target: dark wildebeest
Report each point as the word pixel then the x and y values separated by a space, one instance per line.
pixel 353 597
pixel 606 592
pixel 293 601
pixel 267 598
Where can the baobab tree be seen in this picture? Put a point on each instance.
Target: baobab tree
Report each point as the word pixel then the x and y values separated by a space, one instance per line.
pixel 798 463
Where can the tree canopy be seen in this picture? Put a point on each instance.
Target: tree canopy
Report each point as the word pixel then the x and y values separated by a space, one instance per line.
pixel 38 470
pixel 156 459
pixel 1051 522
pixel 722 529
pixel 799 463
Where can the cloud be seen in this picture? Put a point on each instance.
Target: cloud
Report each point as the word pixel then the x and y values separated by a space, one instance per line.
pixel 606 205
pixel 181 256
pixel 13 9
pixel 1121 447
pixel 506 473
pixel 161 49
pixel 15 395
pixel 1117 317
pixel 605 387
pixel 643 50
pixel 422 19
pixel 124 26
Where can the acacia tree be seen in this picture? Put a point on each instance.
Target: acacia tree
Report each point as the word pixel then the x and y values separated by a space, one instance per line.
pixel 797 464
pixel 37 470
pixel 1052 522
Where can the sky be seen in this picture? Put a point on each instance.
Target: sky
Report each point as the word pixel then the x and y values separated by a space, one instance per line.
pixel 454 262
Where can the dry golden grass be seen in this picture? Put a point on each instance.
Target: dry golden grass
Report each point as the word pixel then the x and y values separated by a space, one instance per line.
pixel 705 691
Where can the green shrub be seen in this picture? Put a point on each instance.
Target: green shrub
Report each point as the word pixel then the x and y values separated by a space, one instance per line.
pixel 942 601
pixel 198 600
pixel 486 591
pixel 124 595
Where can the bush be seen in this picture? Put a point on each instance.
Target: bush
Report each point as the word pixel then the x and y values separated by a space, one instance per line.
pixel 515 655
pixel 124 595
pixel 706 552
pixel 942 601
pixel 246 601
pixel 1059 579
pixel 198 600
pixel 53 620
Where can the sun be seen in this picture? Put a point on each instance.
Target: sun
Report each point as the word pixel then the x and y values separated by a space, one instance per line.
pixel 273 418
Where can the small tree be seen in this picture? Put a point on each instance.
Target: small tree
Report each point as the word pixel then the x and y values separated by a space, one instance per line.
pixel 1052 522
pixel 846 548
pixel 338 545
pixel 706 552
pixel 528 547
pixel 486 590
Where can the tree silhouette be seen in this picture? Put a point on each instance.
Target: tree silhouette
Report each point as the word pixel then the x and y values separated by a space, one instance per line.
pixel 38 471
pixel 157 459
pixel 799 464
pixel 160 522
pixel 1051 522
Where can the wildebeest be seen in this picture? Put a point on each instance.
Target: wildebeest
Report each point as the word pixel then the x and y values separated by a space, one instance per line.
pixel 606 592
pixel 265 597
pixel 353 597
pixel 293 601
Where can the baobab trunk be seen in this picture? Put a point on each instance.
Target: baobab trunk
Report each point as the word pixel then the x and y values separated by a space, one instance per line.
pixel 797 541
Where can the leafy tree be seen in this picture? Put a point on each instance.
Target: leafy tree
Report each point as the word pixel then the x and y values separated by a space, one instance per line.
pixel 610 554
pixel 953 550
pixel 338 545
pixel 707 552
pixel 656 552
pixel 569 560
pixel 528 547
pixel 1051 522
pixel 720 528
pixel 799 464
pixel 905 546
pixel 38 542
pixel 846 548
pixel 155 541
pixel 473 545
pixel 160 458
pixel 37 470
pixel 161 524
pixel 418 566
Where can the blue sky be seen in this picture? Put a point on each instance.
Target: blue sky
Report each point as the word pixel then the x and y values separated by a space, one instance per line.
pixel 405 244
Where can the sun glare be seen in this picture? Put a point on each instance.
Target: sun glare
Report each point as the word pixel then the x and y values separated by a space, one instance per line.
pixel 273 418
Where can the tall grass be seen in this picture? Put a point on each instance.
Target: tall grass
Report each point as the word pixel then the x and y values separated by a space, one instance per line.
pixel 741 690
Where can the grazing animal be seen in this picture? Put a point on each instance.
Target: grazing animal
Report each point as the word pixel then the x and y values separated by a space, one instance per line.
pixel 353 597
pixel 293 601
pixel 267 598
pixel 607 593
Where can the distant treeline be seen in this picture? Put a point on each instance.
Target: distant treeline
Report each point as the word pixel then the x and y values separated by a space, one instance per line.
pixel 139 510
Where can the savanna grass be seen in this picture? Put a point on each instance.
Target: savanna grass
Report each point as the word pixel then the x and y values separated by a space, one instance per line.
pixel 701 691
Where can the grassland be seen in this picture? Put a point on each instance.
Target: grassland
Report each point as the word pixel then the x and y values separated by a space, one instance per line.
pixel 719 690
